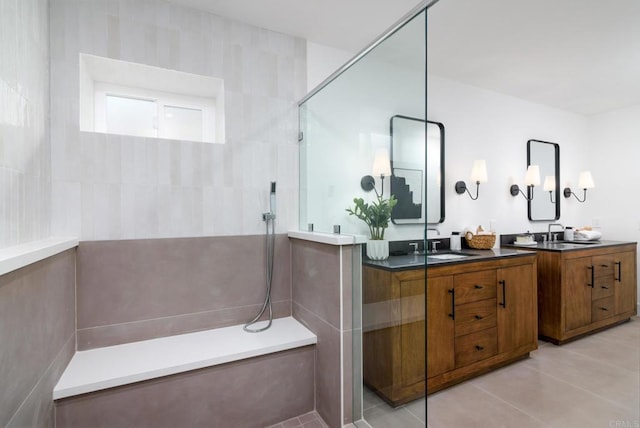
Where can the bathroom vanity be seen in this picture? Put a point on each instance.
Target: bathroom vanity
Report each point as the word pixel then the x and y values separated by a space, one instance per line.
pixel 480 314
pixel 584 287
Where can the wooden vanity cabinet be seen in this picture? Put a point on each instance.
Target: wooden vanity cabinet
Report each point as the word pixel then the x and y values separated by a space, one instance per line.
pixel 393 343
pixel 583 291
pixel 491 317
pixel 480 315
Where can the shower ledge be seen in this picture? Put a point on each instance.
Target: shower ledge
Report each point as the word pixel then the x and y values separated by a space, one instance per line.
pixel 328 238
pixel 111 366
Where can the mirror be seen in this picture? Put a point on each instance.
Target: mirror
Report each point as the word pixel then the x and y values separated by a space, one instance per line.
pixel 411 183
pixel 544 204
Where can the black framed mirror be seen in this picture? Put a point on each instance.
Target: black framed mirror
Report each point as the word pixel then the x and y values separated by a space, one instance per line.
pixel 417 170
pixel 544 204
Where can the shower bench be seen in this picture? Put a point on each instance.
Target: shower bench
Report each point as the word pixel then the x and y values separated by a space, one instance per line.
pixel 104 380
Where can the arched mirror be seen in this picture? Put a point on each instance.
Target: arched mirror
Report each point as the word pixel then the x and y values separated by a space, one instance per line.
pixel 544 204
pixel 417 166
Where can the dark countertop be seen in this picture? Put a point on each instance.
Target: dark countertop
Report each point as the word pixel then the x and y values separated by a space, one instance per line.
pixel 568 245
pixel 411 261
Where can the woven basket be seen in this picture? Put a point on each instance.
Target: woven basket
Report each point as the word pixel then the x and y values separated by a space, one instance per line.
pixel 480 242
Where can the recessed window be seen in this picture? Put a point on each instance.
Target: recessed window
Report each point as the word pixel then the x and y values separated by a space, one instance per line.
pixel 119 97
pixel 130 116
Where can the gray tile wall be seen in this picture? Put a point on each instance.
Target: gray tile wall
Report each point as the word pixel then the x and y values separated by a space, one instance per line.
pixel 130 290
pixel 252 393
pixel 37 338
pixel 118 187
pixel 25 173
pixel 319 274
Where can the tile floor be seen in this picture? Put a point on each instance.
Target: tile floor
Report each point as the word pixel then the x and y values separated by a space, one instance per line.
pixel 308 420
pixel 592 382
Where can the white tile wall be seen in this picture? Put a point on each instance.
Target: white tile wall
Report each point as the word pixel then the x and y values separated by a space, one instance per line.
pixel 127 187
pixel 25 174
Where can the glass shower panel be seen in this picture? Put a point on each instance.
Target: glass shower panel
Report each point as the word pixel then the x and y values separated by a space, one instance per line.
pixel 347 122
pixel 344 125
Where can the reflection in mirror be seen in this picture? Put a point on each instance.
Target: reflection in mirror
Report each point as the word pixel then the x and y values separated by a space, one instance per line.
pixel 544 204
pixel 412 183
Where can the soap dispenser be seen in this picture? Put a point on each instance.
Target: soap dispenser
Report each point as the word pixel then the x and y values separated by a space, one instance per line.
pixel 454 241
pixel 568 233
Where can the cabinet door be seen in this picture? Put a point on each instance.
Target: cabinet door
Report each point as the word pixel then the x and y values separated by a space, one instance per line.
pixel 440 326
pixel 412 331
pixel 516 306
pixel 625 282
pixel 578 280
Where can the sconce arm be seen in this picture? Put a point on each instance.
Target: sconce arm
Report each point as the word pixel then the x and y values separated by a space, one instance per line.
pixel 567 193
pixel 461 187
pixel 515 190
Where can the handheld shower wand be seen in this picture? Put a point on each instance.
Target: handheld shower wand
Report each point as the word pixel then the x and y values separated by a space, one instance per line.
pixel 269 219
pixel 271 215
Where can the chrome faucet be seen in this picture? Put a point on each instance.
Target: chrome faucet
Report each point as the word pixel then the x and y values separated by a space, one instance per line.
pixel 549 230
pixel 426 236
pixel 435 229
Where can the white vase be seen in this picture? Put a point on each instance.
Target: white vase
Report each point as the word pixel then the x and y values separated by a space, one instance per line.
pixel 378 249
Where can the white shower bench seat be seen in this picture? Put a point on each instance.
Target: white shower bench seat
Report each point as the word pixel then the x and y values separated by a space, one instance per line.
pixel 112 366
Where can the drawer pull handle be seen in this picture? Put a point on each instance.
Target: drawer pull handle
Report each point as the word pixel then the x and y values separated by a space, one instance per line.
pixel 604 265
pixel 478 287
pixel 504 293
pixel 592 275
pixel 619 278
pixel 453 304
pixel 478 317
pixel 479 348
pixel 604 309
pixel 606 288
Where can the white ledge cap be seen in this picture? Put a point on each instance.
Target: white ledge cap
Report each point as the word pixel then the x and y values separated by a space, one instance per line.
pixel 328 238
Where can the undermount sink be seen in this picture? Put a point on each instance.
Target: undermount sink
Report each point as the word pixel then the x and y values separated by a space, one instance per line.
pixel 449 255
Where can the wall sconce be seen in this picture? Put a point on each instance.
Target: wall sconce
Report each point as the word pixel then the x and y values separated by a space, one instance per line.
pixel 531 179
pixel 381 167
pixel 478 174
pixel 549 186
pixel 585 181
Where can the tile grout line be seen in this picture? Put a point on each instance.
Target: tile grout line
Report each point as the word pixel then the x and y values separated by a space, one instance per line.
pixel 508 403
pixel 578 387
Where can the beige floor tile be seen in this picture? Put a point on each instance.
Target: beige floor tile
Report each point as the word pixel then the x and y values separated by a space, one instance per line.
pixel 552 401
pixel 466 405
pixel 626 355
pixel 418 408
pixel 610 382
pixel 387 417
pixel 370 399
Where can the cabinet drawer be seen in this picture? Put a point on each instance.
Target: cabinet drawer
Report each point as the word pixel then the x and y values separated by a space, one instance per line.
pixel 602 287
pixel 603 265
pixel 476 346
pixel 602 309
pixel 475 316
pixel 475 286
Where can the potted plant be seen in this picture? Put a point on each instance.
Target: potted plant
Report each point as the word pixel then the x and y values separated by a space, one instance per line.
pixel 376 216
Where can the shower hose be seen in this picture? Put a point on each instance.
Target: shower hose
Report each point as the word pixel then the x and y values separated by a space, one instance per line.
pixel 271 244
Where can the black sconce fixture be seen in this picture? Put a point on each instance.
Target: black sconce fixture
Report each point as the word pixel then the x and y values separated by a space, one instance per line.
pixel 585 181
pixel 531 179
pixel 381 167
pixel 478 174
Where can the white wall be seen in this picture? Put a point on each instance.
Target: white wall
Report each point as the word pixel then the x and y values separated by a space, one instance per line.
pixel 25 180
pixel 120 187
pixel 322 62
pixel 481 124
pixel 614 148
